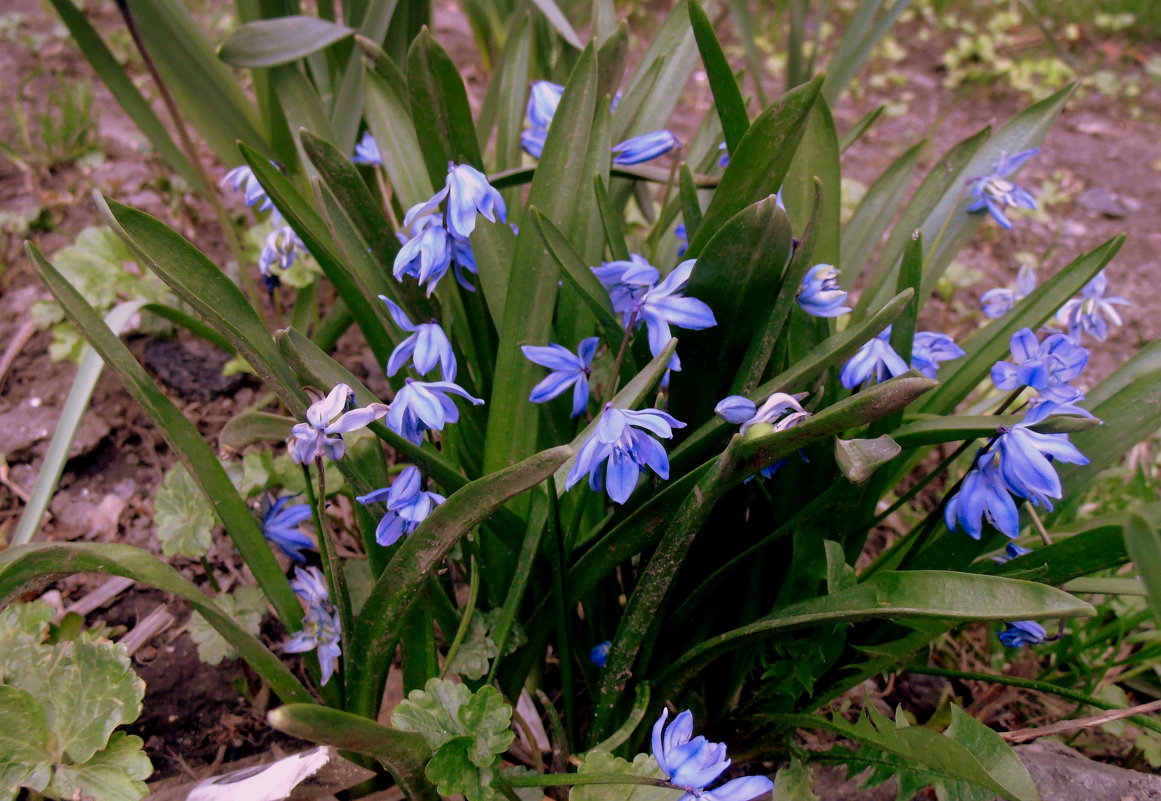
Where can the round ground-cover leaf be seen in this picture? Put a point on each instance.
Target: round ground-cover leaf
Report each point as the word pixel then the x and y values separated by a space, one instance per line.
pixel 117 773
pixel 185 519
pixel 24 762
pixel 271 42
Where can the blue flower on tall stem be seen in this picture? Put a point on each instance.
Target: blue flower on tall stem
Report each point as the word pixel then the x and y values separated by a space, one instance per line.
pixel 427 255
pixel 1092 312
pixel 468 193
pixel 280 525
pixel 620 449
pixel 408 505
pixel 929 348
pixel 320 624
pixel 820 294
pixel 645 147
pixel 542 102
pixel 427 346
pixel 1026 458
pixel 875 362
pixel 424 405
pixel 983 496
pixel 994 192
pixel 1046 366
pixel 568 370
pixel 326 420
pixel 1023 632
pixel 245 181
pixel 997 302
pixel 691 763
pixel 367 150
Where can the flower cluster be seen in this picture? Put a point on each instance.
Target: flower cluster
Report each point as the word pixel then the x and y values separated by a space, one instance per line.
pixel 408 505
pixel 692 763
pixel 320 624
pixel 544 97
pixel 282 245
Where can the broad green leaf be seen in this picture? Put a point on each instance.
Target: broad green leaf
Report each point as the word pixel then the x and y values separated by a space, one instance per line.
pixel 817 158
pixel 117 773
pixel 759 165
pixel 403 754
pixel 24 760
pixel 184 516
pixel 121 86
pixel 204 89
pixel 439 109
pixel 602 763
pixel 738 275
pixel 300 101
pixel 376 633
pixel 728 100
pixel 251 427
pixel 398 144
pixel 858 458
pixel 246 606
pixel 862 234
pixel 28 563
pixel 281 40
pixel 185 440
pixel 1143 542
pixel 513 422
pixel 793 783
pixel 938 594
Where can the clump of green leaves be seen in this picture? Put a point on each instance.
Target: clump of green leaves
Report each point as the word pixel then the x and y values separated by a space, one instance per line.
pixel 246 606
pixel 467 731
pixel 60 700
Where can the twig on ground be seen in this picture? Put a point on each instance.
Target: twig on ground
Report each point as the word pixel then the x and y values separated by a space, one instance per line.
pixel 1023 735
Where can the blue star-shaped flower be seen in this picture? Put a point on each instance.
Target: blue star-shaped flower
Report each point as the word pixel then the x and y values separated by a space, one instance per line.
pixel 994 192
pixel 326 420
pixel 820 294
pixel 427 346
pixel 1023 632
pixel 468 193
pixel 280 525
pixel 929 348
pixel 408 505
pixel 875 362
pixel 619 450
pixel 367 150
pixel 645 147
pixel 568 370
pixel 1092 312
pixel 1046 366
pixel 424 405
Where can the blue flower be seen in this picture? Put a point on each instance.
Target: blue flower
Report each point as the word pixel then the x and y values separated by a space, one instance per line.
pixel 875 362
pixel 781 410
pixel 616 453
pixel 326 420
pixel 568 370
pixel 691 763
pixel 280 525
pixel 683 238
pixel 1025 458
pixel 1023 632
pixel 997 302
pixel 928 348
pixel 983 496
pixel 320 624
pixel 599 656
pixel 408 505
pixel 468 193
pixel 1046 366
pixel 280 249
pixel 424 405
pixel 645 147
pixel 1092 312
pixel 995 193
pixel 427 255
pixel 820 294
pixel 1011 551
pixel 637 296
pixel 543 99
pixel 244 181
pixel 724 161
pixel 367 151
pixel 428 344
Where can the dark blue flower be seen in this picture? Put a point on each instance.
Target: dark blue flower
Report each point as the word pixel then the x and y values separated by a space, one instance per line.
pixel 599 656
pixel 424 405
pixel 1023 632
pixel 619 450
pixel 1092 312
pixel 408 505
pixel 367 151
pixel 820 294
pixel 1046 366
pixel 875 362
pixel 929 348
pixel 691 763
pixel 995 193
pixel 280 525
pixel 645 147
pixel 568 370
pixel 1011 551
pixel 983 496
pixel 427 346
pixel 997 302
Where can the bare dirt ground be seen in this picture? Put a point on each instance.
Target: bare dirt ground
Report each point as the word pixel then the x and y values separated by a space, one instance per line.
pixel 1104 157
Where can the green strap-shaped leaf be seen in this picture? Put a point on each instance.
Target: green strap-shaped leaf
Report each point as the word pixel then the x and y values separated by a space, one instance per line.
pixel 759 165
pixel 439 109
pixel 728 100
pixel 857 43
pixel 938 594
pixel 862 234
pixel 272 42
pixel 403 754
pixel 816 159
pixel 185 440
pixel 27 564
pixel 856 131
pixel 199 282
pixel 377 632
pixel 398 144
pixel 512 87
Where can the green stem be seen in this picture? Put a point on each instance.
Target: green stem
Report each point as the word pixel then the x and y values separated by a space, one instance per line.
pixel 615 376
pixel 465 619
pixel 575 779
pixel 555 547
pixel 332 564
